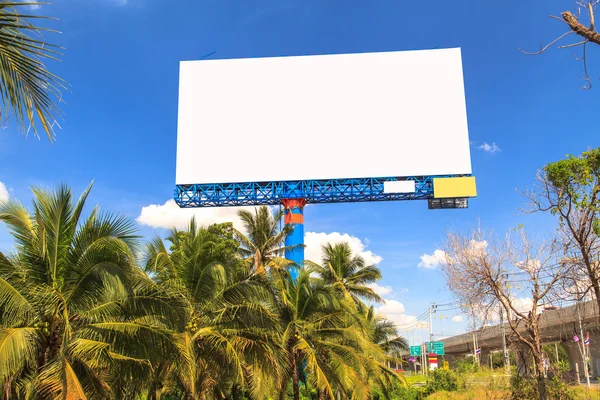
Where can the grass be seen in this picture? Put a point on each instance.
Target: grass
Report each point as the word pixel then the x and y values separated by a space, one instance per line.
pixel 487 384
pixel 415 379
pixel 583 393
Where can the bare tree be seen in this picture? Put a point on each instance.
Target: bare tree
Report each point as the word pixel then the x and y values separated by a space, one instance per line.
pixel 588 33
pixel 483 270
pixel 570 189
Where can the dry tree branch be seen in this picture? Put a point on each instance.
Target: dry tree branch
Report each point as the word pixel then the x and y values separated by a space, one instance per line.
pixel 572 45
pixel 585 69
pixel 544 48
pixel 588 33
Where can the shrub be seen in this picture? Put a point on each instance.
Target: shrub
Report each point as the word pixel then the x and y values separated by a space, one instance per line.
pixel 559 390
pixel 527 388
pixel 466 365
pixel 442 380
pixel 397 392
pixel 522 388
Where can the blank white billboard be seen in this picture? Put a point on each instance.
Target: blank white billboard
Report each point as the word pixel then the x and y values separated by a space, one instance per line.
pixel 389 114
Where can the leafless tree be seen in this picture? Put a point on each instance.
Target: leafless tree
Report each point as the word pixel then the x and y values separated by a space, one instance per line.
pixel 483 270
pixel 587 33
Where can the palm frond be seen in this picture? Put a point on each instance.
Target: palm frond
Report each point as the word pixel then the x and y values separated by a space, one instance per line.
pixel 18 349
pixel 29 92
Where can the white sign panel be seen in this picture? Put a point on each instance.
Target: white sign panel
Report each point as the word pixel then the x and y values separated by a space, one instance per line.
pixel 390 114
pixel 399 187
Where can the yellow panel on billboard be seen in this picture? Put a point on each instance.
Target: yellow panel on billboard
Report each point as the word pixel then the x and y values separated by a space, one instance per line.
pixel 454 187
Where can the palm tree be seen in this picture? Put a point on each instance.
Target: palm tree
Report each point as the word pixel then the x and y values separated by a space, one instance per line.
pixel 348 273
pixel 385 334
pixel 227 340
pixel 321 339
pixel 74 308
pixel 28 90
pixel 263 244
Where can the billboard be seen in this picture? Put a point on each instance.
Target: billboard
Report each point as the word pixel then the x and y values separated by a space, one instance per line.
pixel 387 114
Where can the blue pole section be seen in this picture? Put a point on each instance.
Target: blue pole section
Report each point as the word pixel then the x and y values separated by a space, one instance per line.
pixel 294 216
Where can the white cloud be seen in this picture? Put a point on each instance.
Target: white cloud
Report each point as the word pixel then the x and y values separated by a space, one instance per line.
pixel 3 192
pixel 380 290
pixel 394 311
pixel 524 304
pixel 491 316
pixel 434 260
pixel 314 241
pixel 402 320
pixel 457 318
pixel 530 266
pixel 391 307
pixel 170 215
pixel 490 148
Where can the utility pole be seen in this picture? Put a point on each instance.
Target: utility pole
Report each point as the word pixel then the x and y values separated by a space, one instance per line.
pixel 475 357
pixel 506 357
pixel 431 323
pixel 583 352
pixel 430 344
pixel 424 358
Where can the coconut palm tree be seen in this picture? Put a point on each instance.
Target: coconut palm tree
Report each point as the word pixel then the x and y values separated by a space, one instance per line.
pixel 385 334
pixel 74 308
pixel 326 347
pixel 263 243
pixel 29 92
pixel 227 340
pixel 348 273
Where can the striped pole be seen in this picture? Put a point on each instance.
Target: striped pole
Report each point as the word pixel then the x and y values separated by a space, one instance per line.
pixel 294 216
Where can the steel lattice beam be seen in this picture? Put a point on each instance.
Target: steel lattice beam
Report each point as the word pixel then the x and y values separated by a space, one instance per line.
pixel 314 191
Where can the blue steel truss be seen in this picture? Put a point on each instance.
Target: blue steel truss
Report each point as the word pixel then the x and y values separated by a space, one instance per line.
pixel 314 191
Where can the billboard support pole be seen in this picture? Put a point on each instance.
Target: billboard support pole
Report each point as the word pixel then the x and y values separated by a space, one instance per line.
pixel 294 242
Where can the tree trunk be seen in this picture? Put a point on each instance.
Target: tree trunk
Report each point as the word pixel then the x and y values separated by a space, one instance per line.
pixel 539 372
pixel 235 393
pixel 591 272
pixel 283 390
pixel 541 381
pixel 295 378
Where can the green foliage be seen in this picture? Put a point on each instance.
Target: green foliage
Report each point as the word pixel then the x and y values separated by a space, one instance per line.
pixel 74 308
pixel 397 392
pixel 575 183
pixel 558 390
pixel 527 388
pixel 209 313
pixel 522 388
pixel 349 273
pixel 442 380
pixel 28 90
pixel 550 352
pixel 466 365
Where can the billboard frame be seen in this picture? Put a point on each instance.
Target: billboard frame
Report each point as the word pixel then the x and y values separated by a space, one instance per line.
pixel 313 191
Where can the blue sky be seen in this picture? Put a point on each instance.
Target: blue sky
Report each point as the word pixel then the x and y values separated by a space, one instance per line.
pixel 122 59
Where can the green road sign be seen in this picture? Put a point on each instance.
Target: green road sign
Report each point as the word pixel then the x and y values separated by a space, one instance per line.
pixel 436 348
pixel 415 350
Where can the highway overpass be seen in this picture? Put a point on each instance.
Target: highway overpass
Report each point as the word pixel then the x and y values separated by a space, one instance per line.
pixel 557 327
